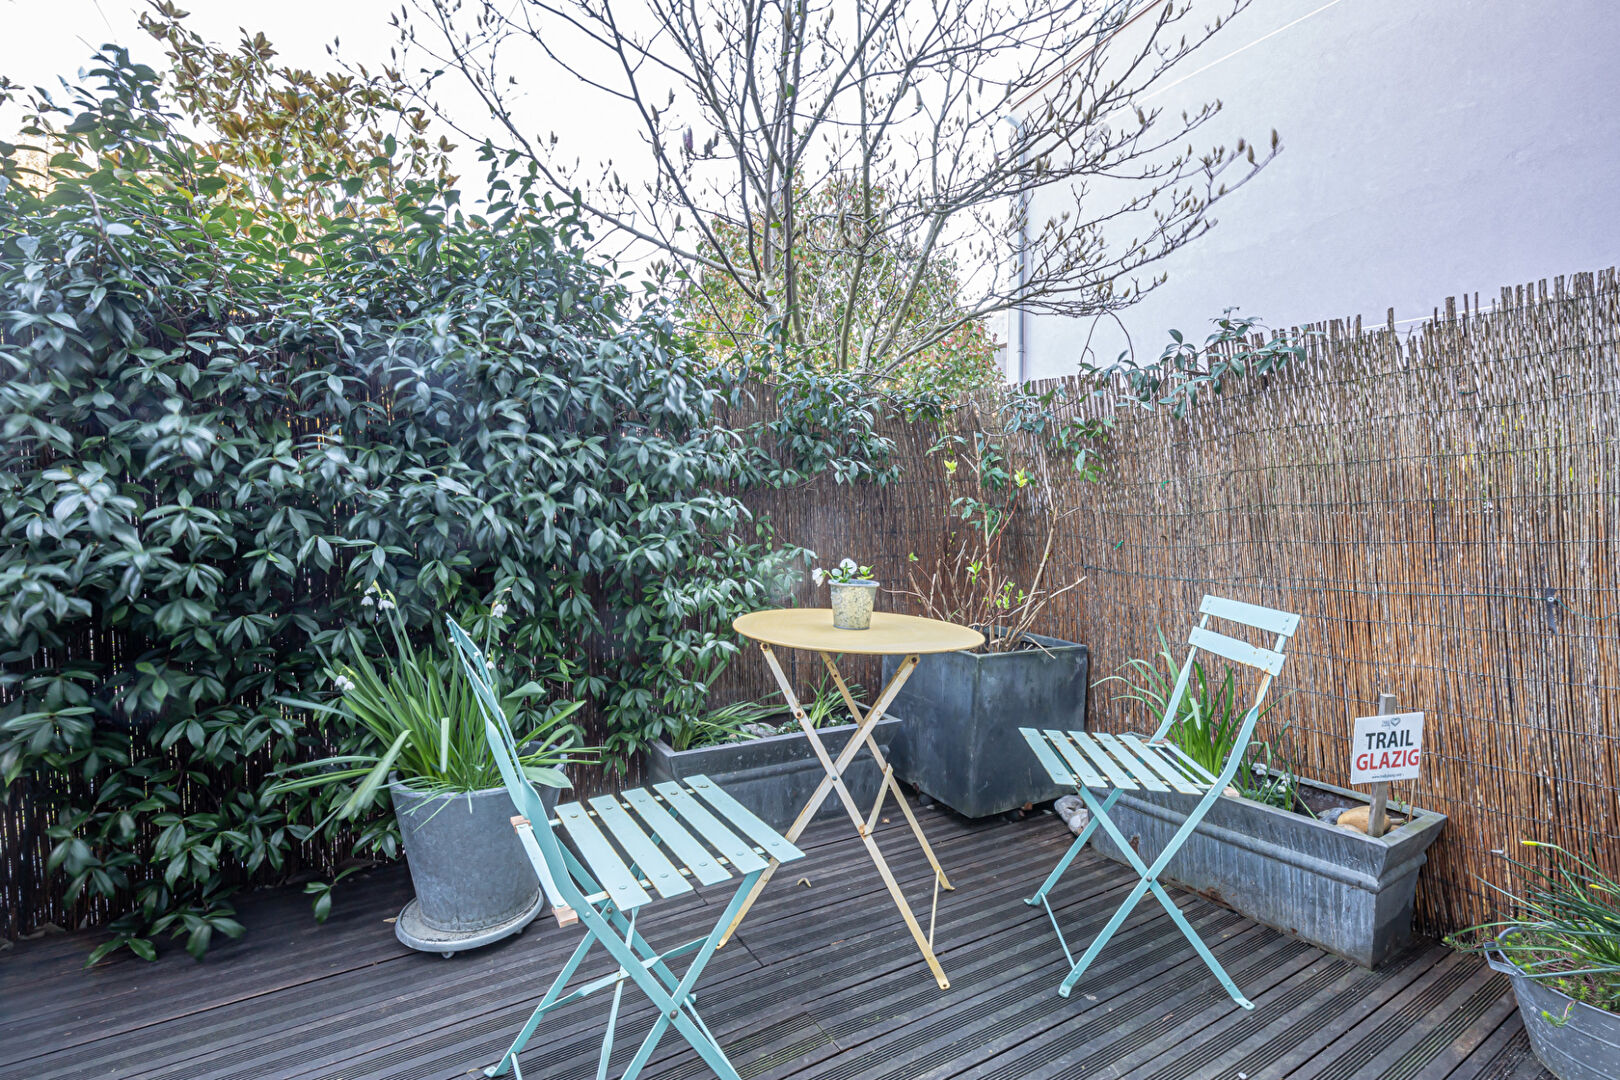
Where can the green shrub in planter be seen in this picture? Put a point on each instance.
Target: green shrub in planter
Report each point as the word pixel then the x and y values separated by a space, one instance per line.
pixel 473 884
pixel 426 728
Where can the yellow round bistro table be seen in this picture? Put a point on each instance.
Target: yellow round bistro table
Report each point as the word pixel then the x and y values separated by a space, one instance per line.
pixel 812 629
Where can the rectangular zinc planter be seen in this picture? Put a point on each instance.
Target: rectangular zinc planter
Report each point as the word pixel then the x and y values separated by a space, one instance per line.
pixel 1344 891
pixel 775 776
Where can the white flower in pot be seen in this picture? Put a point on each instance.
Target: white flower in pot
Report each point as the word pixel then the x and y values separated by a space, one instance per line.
pixel 852 590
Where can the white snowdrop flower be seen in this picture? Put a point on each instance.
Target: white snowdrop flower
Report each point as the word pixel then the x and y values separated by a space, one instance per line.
pixel 498 611
pixel 385 604
pixel 367 600
pixel 343 684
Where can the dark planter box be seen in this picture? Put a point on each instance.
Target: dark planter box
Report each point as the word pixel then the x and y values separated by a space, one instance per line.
pixel 775 776
pixel 1344 891
pixel 1574 1040
pixel 962 711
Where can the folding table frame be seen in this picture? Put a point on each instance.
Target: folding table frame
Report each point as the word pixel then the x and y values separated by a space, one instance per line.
pixel 666 852
pixel 924 635
pixel 1129 762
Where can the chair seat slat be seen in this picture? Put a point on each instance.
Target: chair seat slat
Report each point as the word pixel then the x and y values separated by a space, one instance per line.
pixel 1116 773
pixel 706 825
pixel 686 847
pixel 1165 768
pixel 605 863
pixel 1049 761
pixel 1081 765
pixel 774 843
pixel 1192 768
pixel 653 864
pixel 1239 652
pixel 1139 769
pixel 1270 620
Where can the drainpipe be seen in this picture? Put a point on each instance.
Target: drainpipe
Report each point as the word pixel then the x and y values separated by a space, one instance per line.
pixel 1017 323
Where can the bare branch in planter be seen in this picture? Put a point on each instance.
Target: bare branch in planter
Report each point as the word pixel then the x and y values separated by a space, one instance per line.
pixel 968 583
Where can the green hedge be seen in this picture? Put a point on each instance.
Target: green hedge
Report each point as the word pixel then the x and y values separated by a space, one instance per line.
pixel 220 428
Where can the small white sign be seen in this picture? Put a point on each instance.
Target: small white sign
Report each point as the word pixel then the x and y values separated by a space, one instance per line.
pixel 1386 748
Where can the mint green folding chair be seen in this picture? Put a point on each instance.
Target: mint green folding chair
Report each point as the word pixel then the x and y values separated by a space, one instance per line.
pixel 606 887
pixel 1097 761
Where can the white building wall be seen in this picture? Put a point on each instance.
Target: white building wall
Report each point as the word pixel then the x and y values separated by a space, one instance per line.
pixel 1431 148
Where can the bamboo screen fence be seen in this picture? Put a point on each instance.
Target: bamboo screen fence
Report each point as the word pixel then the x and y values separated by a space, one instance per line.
pixel 1441 506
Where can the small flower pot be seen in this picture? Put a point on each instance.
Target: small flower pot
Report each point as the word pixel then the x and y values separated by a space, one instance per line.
pixel 852 604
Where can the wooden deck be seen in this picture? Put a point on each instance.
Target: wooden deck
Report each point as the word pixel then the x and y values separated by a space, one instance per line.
pixel 822 983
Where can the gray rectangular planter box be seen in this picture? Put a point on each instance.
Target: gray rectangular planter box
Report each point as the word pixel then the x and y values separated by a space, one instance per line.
pixel 775 776
pixel 1341 890
pixel 960 744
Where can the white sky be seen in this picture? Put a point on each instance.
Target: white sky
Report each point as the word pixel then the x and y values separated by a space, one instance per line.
pixel 41 40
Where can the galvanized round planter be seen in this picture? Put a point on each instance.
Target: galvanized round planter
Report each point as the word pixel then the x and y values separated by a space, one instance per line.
pixel 1573 1040
pixel 473 883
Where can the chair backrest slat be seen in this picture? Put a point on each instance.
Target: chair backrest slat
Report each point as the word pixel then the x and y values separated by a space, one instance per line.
pixel 1270 620
pixel 1284 624
pixel 1239 652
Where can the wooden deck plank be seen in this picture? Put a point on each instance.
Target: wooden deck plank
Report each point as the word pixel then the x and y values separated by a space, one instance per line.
pixel 1398 1034
pixel 1085 1033
pixel 819 984
pixel 1346 1001
pixel 251 1018
pixel 576 1051
pixel 1455 1054
pixel 1499 1056
pixel 772 999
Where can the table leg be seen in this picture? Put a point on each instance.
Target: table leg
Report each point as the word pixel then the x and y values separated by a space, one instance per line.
pixel 833 781
pixel 900 676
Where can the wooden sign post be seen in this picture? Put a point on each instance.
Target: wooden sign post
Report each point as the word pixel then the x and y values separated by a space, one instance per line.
pixel 1385 747
pixel 1376 818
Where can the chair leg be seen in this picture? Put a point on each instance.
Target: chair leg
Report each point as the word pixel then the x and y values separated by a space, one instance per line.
pixel 675 1007
pixel 1102 938
pixel 1191 935
pixel 1069 856
pixel 616 919
pixel 1149 881
pixel 613 1014
pixel 509 1059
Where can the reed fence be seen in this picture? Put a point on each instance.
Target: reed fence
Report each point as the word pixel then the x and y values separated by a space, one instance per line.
pixel 1442 506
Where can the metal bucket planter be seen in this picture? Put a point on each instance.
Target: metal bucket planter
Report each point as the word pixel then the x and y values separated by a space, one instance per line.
pixel 960 743
pixel 776 775
pixel 473 883
pixel 1573 1040
pixel 1344 891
